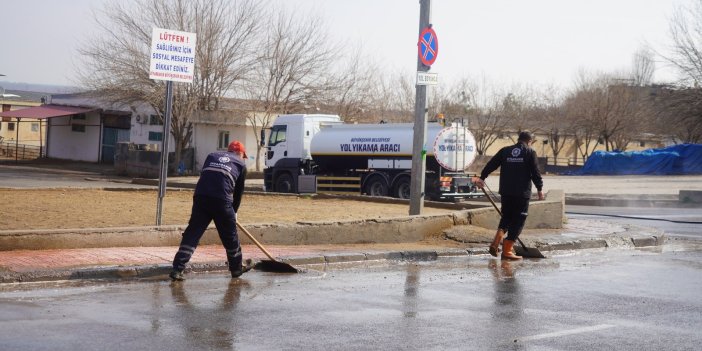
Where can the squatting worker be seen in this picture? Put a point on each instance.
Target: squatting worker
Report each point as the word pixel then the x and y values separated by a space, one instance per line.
pixel 217 197
pixel 518 169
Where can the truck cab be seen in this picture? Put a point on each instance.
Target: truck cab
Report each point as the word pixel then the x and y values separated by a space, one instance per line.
pixel 289 148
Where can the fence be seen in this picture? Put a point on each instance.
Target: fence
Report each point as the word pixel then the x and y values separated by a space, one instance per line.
pixel 564 161
pixel 10 150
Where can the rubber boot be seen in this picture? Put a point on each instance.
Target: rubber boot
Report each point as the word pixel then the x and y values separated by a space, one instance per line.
pixel 507 253
pixel 495 246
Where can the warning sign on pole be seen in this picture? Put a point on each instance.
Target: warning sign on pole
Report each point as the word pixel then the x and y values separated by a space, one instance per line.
pixel 172 55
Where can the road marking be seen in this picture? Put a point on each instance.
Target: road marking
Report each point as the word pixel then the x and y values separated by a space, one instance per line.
pixel 567 332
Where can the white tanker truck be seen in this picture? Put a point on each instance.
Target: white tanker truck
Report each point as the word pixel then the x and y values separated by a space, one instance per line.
pixel 308 153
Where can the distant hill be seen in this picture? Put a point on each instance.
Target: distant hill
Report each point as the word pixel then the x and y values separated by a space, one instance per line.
pixel 43 88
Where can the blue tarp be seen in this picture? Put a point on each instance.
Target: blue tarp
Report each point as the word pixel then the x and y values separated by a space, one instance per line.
pixel 677 159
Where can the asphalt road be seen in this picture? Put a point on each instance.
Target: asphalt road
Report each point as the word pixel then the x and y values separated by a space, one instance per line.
pixel 675 222
pixel 28 177
pixel 624 300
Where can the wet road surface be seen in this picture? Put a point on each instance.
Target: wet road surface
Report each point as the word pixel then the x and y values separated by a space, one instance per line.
pixel 675 222
pixel 616 299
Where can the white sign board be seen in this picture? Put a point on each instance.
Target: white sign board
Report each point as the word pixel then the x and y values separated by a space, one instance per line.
pixel 172 55
pixel 424 78
pixel 455 149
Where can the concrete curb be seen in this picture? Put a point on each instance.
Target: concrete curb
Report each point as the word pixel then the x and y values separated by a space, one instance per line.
pixel 161 271
pixel 544 214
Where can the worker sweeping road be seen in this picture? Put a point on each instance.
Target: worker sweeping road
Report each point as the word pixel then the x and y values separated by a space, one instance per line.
pixel 217 197
pixel 518 169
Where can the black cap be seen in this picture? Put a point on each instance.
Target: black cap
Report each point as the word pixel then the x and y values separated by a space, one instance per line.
pixel 526 136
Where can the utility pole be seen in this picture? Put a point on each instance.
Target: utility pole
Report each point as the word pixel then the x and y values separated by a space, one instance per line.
pixel 419 152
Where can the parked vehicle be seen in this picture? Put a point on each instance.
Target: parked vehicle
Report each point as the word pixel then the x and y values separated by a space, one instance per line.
pixel 308 153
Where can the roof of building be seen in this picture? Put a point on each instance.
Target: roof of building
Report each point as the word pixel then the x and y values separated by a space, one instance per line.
pixel 9 96
pixel 45 111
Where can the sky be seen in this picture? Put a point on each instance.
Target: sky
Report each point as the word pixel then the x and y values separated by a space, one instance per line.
pixel 510 41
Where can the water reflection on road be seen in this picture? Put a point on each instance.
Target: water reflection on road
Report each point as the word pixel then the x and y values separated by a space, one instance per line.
pixel 599 299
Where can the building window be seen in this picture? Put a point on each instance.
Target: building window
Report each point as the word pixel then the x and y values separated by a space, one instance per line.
pixel 155 136
pixel 155 120
pixel 78 128
pixel 11 126
pixel 223 139
pixel 35 127
pixel 80 116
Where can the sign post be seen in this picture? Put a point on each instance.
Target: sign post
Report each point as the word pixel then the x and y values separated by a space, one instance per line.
pixel 172 59
pixel 428 49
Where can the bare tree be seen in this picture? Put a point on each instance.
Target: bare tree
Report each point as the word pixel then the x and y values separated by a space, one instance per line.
pixel 452 102
pixel 552 120
pixel 635 110
pixel 484 108
pixel 679 106
pixel 678 113
pixel 518 107
pixel 390 97
pixel 292 68
pixel 403 93
pixel 644 66
pixel 351 95
pixel 578 107
pixel 602 102
pixel 686 42
pixel 116 60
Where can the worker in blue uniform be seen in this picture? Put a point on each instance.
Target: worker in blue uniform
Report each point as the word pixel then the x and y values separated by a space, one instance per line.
pixel 518 169
pixel 217 197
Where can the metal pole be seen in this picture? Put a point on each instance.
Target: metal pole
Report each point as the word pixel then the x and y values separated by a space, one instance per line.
pixel 41 142
pixel 17 140
pixel 420 125
pixel 164 152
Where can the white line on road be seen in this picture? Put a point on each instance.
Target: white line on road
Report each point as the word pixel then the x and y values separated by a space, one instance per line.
pixel 567 332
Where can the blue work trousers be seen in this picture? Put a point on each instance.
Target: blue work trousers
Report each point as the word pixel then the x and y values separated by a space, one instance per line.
pixel 205 210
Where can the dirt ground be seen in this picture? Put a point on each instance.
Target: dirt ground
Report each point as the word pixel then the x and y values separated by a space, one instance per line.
pixel 22 209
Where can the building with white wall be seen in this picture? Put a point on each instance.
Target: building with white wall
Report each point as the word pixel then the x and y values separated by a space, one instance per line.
pixel 214 130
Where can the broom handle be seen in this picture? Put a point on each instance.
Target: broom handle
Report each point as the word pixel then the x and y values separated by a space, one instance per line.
pixel 500 213
pixel 255 241
pixel 492 202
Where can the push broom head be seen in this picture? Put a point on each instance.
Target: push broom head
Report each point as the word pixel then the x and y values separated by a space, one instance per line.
pixel 274 267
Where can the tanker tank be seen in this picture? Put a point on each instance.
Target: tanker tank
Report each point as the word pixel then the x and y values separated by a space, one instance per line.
pixel 350 146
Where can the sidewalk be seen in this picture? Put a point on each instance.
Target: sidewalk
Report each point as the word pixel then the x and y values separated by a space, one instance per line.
pixel 143 262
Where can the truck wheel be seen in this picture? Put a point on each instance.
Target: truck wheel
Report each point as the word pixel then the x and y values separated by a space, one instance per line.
pixel 284 183
pixel 377 186
pixel 402 188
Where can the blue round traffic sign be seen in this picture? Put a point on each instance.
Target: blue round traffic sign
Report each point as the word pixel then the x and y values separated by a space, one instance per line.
pixel 428 46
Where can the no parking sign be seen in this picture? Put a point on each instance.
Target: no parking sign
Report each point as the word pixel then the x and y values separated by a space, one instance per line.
pixel 428 46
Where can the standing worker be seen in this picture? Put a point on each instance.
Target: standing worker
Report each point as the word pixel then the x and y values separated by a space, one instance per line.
pixel 217 197
pixel 518 169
